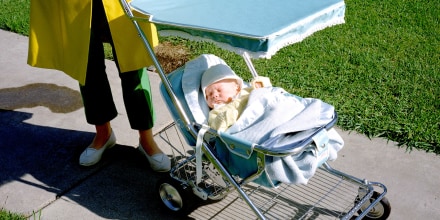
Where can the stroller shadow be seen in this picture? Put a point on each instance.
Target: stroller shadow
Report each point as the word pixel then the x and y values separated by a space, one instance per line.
pixel 44 162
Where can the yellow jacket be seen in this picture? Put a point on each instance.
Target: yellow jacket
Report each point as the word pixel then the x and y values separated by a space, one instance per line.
pixel 60 33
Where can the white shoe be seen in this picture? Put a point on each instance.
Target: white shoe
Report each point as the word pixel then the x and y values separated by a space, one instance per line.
pixel 158 162
pixel 91 156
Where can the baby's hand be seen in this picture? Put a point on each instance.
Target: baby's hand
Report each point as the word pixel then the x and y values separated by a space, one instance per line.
pixel 260 82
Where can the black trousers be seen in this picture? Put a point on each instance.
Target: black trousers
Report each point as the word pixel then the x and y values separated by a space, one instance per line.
pixel 96 92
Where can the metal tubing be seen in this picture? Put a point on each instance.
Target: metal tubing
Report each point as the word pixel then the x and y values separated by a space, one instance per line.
pixel 249 63
pixel 328 168
pixel 365 183
pixel 376 200
pixel 219 166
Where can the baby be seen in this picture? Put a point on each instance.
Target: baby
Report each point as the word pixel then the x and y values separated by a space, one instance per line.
pixel 225 95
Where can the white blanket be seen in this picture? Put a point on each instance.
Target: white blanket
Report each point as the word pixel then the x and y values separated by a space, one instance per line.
pixel 273 114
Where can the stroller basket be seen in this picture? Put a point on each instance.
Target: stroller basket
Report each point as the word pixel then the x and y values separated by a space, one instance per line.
pixel 330 194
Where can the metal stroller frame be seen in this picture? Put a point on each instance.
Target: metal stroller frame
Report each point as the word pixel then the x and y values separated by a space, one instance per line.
pixel 326 189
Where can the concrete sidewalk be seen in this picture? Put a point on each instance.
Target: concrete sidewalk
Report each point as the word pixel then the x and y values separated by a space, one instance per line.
pixel 43 131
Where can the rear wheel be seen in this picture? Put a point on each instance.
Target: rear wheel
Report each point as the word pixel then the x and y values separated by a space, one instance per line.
pixel 380 211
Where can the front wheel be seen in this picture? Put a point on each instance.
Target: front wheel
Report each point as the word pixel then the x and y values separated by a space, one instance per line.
pixel 380 211
pixel 175 196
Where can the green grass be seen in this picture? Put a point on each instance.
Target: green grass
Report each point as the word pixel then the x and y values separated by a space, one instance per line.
pixel 14 16
pixel 6 215
pixel 380 70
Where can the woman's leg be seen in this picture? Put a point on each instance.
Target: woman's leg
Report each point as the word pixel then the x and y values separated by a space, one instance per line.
pixel 138 103
pixel 147 142
pixel 103 133
pixel 98 101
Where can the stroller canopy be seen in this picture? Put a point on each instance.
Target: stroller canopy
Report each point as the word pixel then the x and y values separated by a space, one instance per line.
pixel 259 27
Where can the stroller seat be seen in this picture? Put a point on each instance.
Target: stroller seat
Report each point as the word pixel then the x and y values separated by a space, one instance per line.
pixel 290 149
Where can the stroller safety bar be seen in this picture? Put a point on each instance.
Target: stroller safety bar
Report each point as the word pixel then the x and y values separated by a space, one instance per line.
pixel 245 148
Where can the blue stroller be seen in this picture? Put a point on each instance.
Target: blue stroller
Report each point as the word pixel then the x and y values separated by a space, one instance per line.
pixel 279 174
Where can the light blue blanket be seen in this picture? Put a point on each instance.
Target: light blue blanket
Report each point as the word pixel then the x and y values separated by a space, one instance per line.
pixel 276 120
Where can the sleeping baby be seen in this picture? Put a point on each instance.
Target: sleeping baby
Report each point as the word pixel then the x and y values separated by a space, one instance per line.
pixel 226 95
pixel 273 118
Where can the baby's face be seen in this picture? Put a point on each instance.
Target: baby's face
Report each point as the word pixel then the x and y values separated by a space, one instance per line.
pixel 221 92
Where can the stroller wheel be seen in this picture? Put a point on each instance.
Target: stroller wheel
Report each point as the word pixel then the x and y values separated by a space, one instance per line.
pixel 380 211
pixel 175 196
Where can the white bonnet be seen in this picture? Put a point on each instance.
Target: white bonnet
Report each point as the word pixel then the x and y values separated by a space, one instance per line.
pixel 216 73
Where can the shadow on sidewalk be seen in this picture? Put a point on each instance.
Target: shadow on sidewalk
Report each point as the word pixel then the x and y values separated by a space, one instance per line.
pixel 45 159
pixel 48 154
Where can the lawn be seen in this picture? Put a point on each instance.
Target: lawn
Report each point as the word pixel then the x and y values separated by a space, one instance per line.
pixel 6 215
pixel 380 70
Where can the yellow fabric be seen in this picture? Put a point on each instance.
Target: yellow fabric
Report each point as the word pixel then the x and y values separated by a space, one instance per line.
pixel 225 116
pixel 59 36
